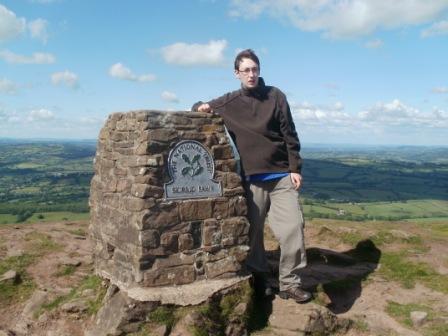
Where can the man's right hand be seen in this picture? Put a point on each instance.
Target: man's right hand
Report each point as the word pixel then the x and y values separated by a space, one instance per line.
pixel 204 108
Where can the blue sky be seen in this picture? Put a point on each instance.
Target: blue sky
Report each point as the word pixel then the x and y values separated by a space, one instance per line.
pixel 354 71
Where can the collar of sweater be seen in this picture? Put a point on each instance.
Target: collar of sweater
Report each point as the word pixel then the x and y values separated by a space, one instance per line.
pixel 257 92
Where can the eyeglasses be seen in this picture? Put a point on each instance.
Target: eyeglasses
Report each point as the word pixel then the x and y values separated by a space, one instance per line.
pixel 247 71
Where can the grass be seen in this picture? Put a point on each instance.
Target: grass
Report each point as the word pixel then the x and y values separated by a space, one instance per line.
pixel 18 292
pixel 434 326
pixel 78 232
pixel 402 312
pixel 395 252
pixel 41 243
pixel 395 266
pixel 93 282
pixel 7 218
pixel 214 315
pixel 391 210
pixel 48 217
pixel 165 315
pixel 65 270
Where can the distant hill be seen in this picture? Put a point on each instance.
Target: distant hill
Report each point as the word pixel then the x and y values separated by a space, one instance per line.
pixel 54 175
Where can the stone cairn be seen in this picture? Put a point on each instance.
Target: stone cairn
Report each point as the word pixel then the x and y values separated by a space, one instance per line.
pixel 140 238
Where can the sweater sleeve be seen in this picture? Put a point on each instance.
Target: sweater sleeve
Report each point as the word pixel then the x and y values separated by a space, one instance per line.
pixel 289 133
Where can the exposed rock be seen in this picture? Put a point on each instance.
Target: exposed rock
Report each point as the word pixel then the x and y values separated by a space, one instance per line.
pixel 77 306
pixel 14 252
pixel 70 262
pixel 310 318
pixel 185 326
pixel 160 330
pixel 11 276
pixel 119 314
pixel 418 318
pixel 38 298
pixel 401 234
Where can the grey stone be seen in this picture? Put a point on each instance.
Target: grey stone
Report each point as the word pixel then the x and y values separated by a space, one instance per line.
pixel 141 239
pixel 418 318
pixel 77 306
pixel 178 275
pixel 10 275
pixel 186 242
pixel 70 262
pixel 150 238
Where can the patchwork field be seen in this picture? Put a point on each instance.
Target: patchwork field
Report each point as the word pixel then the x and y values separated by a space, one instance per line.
pixel 51 180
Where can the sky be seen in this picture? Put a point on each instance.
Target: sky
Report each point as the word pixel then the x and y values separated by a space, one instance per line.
pixel 354 71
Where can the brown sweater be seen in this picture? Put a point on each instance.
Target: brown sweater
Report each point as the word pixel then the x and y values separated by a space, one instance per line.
pixel 259 121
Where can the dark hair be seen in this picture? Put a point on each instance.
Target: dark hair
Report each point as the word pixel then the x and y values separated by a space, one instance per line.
pixel 248 53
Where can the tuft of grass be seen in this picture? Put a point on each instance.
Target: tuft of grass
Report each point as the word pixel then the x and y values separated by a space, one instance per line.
pixel 16 292
pixel 351 238
pixel 360 324
pixel 65 270
pixel 89 282
pixel 163 315
pixel 438 327
pixel 402 312
pixel 396 267
pixel 384 237
pixel 78 232
pixel 230 301
pixel 41 243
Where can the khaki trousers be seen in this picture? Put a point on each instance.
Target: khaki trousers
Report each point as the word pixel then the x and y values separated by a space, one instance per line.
pixel 280 201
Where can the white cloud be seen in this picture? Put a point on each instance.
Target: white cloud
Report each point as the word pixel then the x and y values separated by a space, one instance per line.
pixel 315 115
pixel 440 90
pixel 7 86
pixel 195 54
pixel 438 28
pixel 44 1
pixel 35 58
pixel 66 77
pixel 394 114
pixel 169 97
pixel 343 18
pixel 119 71
pixel 10 25
pixel 374 44
pixel 92 121
pixel 38 29
pixel 398 114
pixel 40 115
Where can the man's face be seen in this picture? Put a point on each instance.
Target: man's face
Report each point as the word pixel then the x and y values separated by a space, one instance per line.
pixel 248 73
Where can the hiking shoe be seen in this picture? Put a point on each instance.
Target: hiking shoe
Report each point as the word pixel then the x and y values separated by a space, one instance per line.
pixel 261 283
pixel 295 293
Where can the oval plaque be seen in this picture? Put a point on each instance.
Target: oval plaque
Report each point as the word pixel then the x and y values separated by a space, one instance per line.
pixel 191 168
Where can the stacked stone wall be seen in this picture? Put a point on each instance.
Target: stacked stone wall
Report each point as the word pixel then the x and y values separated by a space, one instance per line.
pixel 142 239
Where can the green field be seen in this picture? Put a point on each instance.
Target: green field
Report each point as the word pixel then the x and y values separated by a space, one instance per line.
pixel 46 217
pixel 367 183
pixel 44 177
pixel 412 209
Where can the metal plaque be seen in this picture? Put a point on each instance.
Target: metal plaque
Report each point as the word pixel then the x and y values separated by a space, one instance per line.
pixel 191 168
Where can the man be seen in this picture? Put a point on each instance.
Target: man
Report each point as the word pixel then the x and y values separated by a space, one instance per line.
pixel 259 121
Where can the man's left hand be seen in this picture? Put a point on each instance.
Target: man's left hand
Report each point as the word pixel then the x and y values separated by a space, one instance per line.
pixel 296 180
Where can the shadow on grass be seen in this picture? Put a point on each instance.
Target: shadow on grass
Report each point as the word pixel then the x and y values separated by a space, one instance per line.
pixel 337 274
pixel 259 313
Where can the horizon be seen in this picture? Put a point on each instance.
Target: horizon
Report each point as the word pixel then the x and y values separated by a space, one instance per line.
pixel 371 79
pixel 303 144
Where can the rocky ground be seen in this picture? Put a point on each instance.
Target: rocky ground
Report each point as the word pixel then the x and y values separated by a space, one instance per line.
pixel 372 278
